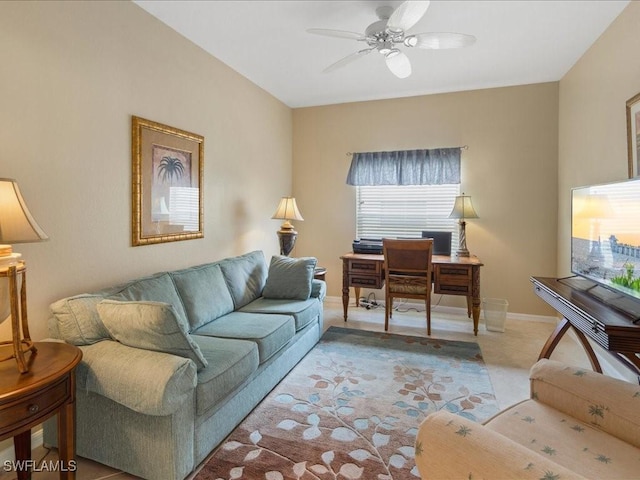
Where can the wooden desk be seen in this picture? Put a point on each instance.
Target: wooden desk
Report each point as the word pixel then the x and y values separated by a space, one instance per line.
pixel 451 276
pixel 591 318
pixel 28 399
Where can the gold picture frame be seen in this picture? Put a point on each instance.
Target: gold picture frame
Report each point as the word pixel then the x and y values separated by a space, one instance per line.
pixel 633 135
pixel 167 173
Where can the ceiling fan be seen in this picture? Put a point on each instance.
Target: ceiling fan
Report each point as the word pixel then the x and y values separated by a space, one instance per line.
pixel 390 32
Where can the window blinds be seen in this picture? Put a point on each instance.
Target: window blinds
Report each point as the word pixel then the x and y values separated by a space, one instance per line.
pixel 405 211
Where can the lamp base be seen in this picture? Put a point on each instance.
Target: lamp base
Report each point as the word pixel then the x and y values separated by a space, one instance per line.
pixel 287 240
pixel 462 250
pixel 21 339
pixel 18 351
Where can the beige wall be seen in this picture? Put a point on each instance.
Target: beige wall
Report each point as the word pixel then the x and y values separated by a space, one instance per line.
pixel 72 74
pixel 510 170
pixel 593 132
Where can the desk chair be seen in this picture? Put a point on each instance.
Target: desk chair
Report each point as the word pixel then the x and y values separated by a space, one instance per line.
pixel 407 264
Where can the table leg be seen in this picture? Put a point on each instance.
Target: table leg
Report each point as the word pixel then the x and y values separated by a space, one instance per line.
pixel 556 336
pixel 357 290
pixel 554 339
pixel 345 288
pixel 476 315
pixel 67 441
pixel 595 364
pixel 22 449
pixel 475 297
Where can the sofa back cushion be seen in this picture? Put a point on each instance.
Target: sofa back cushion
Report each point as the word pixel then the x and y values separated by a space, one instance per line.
pixel 78 320
pixel 246 276
pixel 157 288
pixel 204 293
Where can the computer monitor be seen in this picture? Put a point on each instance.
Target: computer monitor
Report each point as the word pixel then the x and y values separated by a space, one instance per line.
pixel 441 242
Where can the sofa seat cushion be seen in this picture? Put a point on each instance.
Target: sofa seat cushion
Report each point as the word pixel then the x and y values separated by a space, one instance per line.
pixel 269 332
pixel 303 311
pixel 204 293
pixel 581 447
pixel 230 361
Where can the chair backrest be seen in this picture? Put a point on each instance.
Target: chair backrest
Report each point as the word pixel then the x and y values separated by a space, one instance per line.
pixel 407 257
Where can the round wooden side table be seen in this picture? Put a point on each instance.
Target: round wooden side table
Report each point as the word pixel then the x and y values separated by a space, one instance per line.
pixel 320 273
pixel 27 399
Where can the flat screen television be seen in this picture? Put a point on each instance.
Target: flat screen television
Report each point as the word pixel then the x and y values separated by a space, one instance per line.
pixel 605 242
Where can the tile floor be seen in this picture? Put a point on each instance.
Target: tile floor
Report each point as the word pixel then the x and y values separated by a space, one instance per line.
pixel 508 356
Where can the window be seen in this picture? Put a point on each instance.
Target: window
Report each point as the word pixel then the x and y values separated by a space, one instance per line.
pixel 405 210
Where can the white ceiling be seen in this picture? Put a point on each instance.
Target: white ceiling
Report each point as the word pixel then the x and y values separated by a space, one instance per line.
pixel 518 42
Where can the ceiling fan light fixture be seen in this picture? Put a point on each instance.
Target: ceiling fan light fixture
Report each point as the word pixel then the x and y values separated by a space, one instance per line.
pixel 388 35
pixel 410 41
pixel 392 53
pixel 386 48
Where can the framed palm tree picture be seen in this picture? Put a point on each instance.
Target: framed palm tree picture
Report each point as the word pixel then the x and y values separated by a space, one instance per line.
pixel 633 135
pixel 167 172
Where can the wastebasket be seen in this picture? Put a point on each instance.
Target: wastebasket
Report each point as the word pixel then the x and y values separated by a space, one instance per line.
pixel 495 313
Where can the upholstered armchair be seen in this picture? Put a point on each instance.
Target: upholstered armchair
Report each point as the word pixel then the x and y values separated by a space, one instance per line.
pixel 577 424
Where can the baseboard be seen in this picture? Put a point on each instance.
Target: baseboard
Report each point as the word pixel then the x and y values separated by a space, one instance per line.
pixel 463 311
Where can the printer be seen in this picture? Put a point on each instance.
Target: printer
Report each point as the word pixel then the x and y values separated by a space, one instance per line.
pixel 368 245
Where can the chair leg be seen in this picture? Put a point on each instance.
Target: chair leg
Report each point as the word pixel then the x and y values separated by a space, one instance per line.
pixel 388 301
pixel 427 303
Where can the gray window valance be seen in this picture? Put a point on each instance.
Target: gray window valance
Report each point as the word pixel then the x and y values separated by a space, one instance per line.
pixel 437 166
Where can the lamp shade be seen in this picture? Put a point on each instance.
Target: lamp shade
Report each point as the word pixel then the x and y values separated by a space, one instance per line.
pixel 287 210
pixel 463 208
pixel 16 223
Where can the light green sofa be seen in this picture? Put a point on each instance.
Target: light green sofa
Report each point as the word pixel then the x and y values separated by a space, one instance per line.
pixel 155 414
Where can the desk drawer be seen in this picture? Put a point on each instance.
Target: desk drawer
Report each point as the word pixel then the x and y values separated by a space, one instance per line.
pixel 453 280
pixel 365 266
pixel 33 407
pixel 366 281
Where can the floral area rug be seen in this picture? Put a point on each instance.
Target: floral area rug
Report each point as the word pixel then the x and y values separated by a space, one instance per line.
pixel 351 408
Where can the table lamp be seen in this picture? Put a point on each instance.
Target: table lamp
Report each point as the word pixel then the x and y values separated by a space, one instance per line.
pixel 462 208
pixel 16 226
pixel 287 210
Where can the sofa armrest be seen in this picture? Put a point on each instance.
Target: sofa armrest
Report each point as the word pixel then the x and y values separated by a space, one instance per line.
pixel 450 446
pixel 318 289
pixel 606 403
pixel 148 382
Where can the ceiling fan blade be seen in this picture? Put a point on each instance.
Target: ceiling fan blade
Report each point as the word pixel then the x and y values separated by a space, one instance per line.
pixel 346 60
pixel 399 65
pixel 336 33
pixel 439 40
pixel 406 16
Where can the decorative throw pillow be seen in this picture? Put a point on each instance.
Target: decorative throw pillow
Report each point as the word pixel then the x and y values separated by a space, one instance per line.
pixel 78 319
pixel 156 288
pixel 290 278
pixel 150 326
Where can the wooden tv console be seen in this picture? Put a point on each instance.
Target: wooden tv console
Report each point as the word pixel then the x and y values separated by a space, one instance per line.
pixel 590 318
